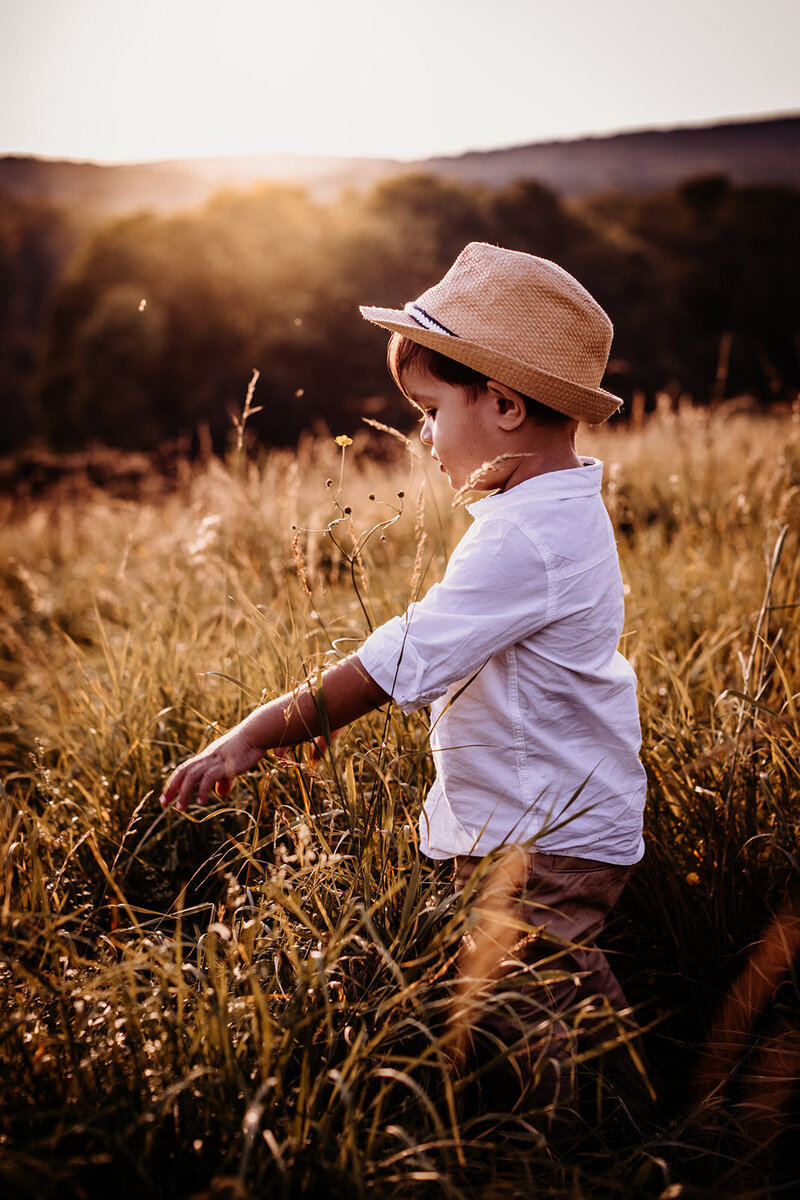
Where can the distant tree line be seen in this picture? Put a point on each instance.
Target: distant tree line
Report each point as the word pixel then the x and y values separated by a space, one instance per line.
pixel 145 328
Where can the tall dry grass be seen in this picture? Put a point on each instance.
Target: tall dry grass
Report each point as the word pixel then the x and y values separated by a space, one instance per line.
pixel 256 999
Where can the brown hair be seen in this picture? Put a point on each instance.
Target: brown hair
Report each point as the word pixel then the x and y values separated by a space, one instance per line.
pixel 403 355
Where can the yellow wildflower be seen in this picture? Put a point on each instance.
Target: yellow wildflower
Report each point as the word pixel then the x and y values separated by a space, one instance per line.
pixel 343 440
pixel 693 878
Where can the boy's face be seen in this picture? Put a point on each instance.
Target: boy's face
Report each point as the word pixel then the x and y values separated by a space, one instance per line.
pixel 459 431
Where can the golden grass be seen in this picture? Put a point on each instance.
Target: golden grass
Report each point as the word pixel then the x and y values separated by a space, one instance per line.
pixel 258 998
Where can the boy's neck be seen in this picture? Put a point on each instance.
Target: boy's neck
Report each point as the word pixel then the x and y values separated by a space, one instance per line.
pixel 543 449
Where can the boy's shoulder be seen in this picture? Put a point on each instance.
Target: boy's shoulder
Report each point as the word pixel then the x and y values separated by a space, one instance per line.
pixel 552 488
pixel 561 514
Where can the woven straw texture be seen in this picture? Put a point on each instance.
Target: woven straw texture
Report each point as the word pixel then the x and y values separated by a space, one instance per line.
pixel 521 320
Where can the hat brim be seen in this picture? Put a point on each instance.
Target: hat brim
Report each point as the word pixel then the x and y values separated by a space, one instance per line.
pixel 591 405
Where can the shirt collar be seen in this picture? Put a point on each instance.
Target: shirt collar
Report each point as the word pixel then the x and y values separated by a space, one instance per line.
pixel 553 485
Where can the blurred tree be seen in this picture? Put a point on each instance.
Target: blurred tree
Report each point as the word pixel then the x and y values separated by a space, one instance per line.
pixel 756 256
pixel 36 241
pixel 618 270
pixel 117 349
pixel 427 220
pixel 270 279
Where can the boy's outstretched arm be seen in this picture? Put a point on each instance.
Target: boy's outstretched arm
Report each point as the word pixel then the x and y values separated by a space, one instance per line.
pixel 348 692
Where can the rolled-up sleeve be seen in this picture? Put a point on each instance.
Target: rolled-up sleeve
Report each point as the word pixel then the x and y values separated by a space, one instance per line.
pixel 494 593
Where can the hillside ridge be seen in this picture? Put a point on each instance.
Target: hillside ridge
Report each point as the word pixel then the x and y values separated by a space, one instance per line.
pixel 747 151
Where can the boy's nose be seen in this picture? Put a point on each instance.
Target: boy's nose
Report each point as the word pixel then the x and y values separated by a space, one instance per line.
pixel 425 434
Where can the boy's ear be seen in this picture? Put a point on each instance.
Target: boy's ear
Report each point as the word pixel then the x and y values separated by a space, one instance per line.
pixel 510 405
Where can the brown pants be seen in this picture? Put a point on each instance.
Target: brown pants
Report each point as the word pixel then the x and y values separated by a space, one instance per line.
pixel 531 945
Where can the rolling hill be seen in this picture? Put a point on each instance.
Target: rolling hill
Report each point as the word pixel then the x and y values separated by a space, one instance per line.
pixel 747 151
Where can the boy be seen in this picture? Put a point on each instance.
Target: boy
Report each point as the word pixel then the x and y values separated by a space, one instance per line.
pixel 535 730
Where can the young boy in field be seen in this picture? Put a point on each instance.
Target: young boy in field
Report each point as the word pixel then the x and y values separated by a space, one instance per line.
pixel 534 723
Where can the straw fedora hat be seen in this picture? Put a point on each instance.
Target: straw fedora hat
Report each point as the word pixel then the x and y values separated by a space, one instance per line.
pixel 518 319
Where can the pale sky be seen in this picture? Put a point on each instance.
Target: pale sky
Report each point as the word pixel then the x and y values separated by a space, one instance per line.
pixel 120 80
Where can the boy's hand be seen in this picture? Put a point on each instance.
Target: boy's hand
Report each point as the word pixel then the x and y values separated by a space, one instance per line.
pixel 215 767
pixel 348 693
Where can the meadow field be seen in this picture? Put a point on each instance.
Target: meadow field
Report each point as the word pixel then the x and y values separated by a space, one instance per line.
pixel 252 999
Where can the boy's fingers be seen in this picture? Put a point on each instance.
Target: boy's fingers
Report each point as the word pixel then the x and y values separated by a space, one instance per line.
pixel 196 775
pixel 193 776
pixel 213 781
pixel 173 783
pixel 204 786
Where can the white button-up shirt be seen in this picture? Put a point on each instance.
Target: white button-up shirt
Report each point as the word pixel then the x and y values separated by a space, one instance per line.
pixel 534 723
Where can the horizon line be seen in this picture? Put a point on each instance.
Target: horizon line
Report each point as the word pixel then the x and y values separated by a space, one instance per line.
pixel 622 131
